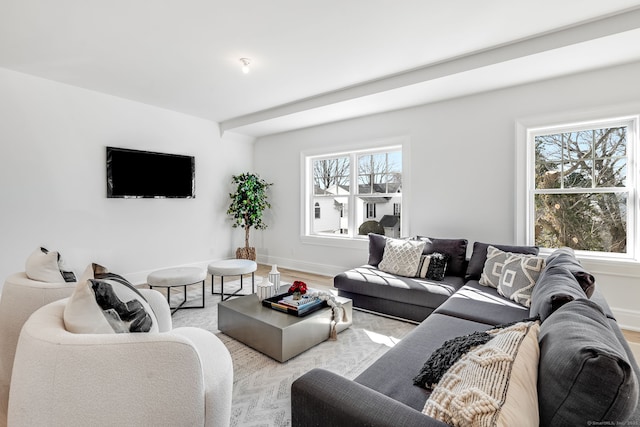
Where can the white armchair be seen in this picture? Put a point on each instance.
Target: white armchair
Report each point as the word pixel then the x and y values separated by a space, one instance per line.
pixel 179 377
pixel 21 296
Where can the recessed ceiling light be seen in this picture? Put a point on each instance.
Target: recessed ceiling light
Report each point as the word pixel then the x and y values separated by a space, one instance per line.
pixel 245 65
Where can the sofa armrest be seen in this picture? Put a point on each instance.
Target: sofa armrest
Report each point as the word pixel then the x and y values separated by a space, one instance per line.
pixel 322 398
pixel 158 303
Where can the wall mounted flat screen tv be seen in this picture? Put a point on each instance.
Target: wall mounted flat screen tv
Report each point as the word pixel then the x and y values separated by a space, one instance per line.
pixel 145 174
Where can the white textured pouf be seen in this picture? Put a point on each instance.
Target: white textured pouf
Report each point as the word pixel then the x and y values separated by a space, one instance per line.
pixel 232 267
pixel 178 276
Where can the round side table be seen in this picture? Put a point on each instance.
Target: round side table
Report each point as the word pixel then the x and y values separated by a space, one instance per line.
pixel 178 276
pixel 232 267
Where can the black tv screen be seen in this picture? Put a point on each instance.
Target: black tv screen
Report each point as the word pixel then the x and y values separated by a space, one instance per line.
pixel 145 174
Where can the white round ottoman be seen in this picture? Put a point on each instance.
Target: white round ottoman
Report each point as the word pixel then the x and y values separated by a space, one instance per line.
pixel 178 276
pixel 232 267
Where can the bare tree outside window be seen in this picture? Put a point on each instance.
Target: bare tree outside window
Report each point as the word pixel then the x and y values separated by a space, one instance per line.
pixel 331 173
pixel 581 195
pixel 349 188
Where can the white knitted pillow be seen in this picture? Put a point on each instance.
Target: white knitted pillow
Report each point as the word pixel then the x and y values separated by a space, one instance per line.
pixel 401 257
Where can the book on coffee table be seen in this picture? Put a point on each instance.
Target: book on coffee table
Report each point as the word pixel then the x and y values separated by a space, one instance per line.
pixel 285 303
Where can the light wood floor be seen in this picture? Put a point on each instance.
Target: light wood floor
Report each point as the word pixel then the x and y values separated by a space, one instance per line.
pixel 319 281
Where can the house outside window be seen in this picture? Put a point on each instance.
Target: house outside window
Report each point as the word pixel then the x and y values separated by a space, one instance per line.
pixel 582 187
pixel 351 188
pixel 370 208
pixel 317 210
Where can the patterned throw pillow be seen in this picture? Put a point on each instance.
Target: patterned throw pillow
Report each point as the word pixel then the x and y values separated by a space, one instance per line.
pixel 494 384
pixel 47 266
pixel 519 276
pixel 437 266
pixel 432 266
pixel 423 266
pixel 401 257
pixel 493 267
pixel 106 303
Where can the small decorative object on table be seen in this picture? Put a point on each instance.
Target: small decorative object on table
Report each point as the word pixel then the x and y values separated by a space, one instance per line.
pixel 339 314
pixel 274 277
pixel 298 289
pixel 265 289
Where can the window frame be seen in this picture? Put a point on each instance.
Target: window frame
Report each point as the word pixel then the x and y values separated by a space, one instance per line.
pixel 525 158
pixel 400 143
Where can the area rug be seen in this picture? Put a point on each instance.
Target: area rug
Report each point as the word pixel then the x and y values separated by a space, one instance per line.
pixel 262 386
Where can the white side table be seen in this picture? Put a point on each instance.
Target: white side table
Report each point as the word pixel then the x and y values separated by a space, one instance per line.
pixel 232 267
pixel 178 276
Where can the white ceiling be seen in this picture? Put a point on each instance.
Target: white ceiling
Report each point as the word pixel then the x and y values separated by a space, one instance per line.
pixel 313 61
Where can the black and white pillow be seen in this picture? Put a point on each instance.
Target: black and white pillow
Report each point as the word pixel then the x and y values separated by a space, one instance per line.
pixel 47 266
pixel 432 266
pixel 105 303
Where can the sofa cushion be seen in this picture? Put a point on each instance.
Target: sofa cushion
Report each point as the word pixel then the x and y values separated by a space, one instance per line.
pixel 565 257
pixel 401 257
pixel 479 256
pixel 47 266
pixel 492 385
pixel 581 358
pixel 366 280
pixel 105 303
pixel 519 276
pixel 455 249
pixel 376 248
pixel 392 374
pixel 482 304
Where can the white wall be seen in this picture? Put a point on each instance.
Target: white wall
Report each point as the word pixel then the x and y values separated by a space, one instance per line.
pixel 461 175
pixel 53 191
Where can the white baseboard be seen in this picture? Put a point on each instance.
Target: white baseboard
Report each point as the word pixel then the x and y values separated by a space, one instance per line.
pixel 627 319
pixel 308 267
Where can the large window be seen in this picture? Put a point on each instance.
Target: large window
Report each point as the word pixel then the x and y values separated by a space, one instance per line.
pixel 582 188
pixel 357 192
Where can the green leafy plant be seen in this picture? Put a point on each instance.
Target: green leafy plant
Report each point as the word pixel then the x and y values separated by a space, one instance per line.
pixel 247 206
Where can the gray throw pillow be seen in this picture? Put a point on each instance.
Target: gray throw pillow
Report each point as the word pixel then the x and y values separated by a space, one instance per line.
pixel 519 276
pixel 479 256
pixel 584 373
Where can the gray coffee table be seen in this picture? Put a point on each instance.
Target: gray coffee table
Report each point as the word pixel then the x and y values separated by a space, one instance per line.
pixel 280 336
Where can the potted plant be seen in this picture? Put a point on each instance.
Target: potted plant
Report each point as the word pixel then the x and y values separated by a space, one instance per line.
pixel 246 208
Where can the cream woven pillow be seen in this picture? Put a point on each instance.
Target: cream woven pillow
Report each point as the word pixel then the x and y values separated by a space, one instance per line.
pixel 494 384
pixel 401 257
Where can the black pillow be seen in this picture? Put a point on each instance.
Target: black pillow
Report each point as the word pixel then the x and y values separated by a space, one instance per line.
pixel 455 249
pixel 377 243
pixel 479 256
pixel 437 266
pixel 584 375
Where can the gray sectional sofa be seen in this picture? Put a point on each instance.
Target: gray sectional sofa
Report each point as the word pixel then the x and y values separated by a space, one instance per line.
pixel 586 371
